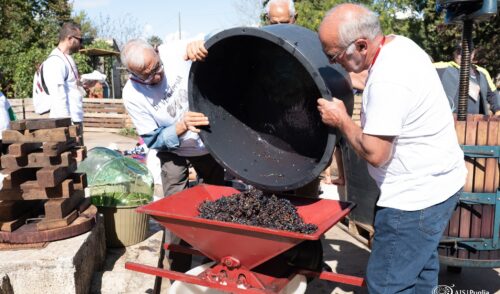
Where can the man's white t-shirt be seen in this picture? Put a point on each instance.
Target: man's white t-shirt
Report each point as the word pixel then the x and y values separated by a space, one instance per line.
pixel 404 98
pixel 164 104
pixel 61 75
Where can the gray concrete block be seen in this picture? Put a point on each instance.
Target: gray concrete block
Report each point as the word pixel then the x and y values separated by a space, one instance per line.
pixel 114 278
pixel 64 266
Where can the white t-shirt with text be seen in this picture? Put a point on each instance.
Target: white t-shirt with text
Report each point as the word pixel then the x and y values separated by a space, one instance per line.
pixel 164 104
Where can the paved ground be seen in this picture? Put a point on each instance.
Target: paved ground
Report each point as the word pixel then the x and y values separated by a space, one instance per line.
pixel 110 140
pixel 342 252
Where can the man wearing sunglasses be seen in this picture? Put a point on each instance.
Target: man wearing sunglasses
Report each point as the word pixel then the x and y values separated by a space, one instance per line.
pixel 408 138
pixel 60 79
pixel 156 99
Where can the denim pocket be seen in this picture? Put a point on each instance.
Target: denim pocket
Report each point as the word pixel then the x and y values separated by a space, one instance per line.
pixel 431 221
pixel 434 219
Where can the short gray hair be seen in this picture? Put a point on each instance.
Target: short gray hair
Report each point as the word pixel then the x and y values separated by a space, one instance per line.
pixel 291 6
pixel 132 53
pixel 367 26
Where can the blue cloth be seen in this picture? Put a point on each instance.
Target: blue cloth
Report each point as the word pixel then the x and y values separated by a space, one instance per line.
pixel 404 257
pixel 163 138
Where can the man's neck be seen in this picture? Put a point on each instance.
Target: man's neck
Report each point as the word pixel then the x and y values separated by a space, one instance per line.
pixel 64 48
pixel 372 50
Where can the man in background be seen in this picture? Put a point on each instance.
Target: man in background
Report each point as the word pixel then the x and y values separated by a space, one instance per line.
pixel 60 79
pixel 483 95
pixel 280 12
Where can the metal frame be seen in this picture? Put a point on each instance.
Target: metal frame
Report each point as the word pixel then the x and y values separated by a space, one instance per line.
pixel 478 244
pixel 228 275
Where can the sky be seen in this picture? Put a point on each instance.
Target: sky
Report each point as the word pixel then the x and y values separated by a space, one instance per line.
pixel 161 17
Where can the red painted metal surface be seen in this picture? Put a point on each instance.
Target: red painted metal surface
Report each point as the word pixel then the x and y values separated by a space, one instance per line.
pixel 248 279
pixel 249 245
pixel 237 249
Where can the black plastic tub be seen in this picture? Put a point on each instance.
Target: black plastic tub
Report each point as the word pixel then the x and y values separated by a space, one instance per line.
pixel 259 88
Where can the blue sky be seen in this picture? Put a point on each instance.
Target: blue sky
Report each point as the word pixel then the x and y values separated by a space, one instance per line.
pixel 160 17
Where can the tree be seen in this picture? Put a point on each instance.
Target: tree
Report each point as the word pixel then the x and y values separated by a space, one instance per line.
pixel 25 38
pixel 155 41
pixel 249 12
pixel 422 24
pixel 29 32
pixel 121 29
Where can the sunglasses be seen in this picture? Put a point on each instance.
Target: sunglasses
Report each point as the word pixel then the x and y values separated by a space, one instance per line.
pixel 78 38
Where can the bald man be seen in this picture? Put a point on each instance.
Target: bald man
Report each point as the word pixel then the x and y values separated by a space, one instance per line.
pixel 408 138
pixel 281 12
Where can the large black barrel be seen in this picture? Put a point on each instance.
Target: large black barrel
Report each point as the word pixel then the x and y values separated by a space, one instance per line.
pixel 258 87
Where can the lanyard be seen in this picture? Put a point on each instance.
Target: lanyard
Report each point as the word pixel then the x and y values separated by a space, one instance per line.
pixel 71 66
pixel 376 53
pixel 375 59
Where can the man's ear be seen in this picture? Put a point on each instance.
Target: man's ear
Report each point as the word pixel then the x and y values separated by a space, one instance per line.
pixel 362 45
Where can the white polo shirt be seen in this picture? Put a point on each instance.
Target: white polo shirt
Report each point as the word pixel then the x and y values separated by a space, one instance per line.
pixel 404 98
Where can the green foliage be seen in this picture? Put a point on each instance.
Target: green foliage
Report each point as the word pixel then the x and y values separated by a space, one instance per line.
pixel 29 33
pixel 424 26
pixel 129 132
pixel 88 29
pixel 100 44
pixel 155 41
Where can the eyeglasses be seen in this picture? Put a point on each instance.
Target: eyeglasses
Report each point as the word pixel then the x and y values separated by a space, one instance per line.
pixel 333 59
pixel 78 38
pixel 149 78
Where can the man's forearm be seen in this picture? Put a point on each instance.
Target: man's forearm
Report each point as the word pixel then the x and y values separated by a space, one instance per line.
pixel 163 138
pixel 354 136
pixel 376 150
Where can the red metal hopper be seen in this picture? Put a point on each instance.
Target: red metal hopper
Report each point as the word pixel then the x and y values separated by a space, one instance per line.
pixel 236 246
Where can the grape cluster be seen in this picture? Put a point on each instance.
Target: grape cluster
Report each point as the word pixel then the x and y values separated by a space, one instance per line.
pixel 253 208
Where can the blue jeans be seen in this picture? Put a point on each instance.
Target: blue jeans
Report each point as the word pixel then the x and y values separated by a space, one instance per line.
pixel 404 257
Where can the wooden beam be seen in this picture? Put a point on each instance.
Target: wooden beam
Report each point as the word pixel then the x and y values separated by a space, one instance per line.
pixel 38 136
pixel 56 148
pixel 49 224
pixel 23 149
pixel 60 208
pixel 32 191
pixel 37 160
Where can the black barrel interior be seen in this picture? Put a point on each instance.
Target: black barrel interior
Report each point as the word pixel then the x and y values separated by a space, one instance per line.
pixel 261 102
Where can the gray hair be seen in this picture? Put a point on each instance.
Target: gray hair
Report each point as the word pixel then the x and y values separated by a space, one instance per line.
pixel 291 6
pixel 366 26
pixel 132 53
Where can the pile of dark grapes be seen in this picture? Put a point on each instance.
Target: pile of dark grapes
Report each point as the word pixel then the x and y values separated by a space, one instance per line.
pixel 253 208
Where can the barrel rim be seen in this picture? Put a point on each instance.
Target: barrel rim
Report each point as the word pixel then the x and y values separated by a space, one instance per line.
pixel 266 34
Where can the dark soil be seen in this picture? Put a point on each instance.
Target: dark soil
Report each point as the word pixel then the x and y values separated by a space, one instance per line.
pixel 253 208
